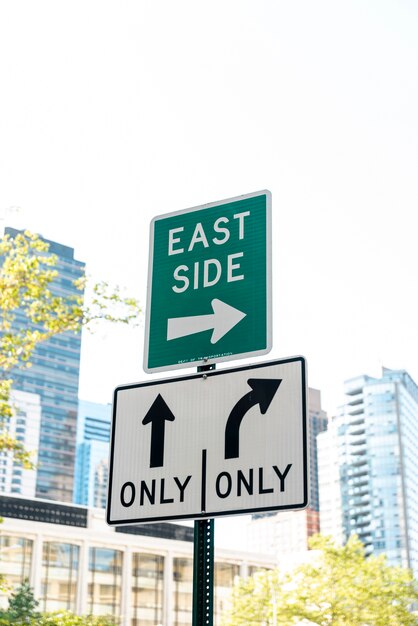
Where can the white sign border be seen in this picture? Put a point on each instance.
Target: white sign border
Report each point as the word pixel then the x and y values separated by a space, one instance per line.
pixel 207 514
pixel 232 357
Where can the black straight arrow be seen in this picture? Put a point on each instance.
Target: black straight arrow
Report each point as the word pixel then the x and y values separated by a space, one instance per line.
pixel 262 393
pixel 157 416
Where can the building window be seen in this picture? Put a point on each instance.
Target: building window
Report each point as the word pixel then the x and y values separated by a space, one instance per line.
pixel 15 561
pixel 183 591
pixel 253 569
pixel 225 575
pixel 59 576
pixel 104 581
pixel 147 589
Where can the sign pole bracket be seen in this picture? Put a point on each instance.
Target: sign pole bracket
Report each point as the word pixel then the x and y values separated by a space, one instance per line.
pixel 203 563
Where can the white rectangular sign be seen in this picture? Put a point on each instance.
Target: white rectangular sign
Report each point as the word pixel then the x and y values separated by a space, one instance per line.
pixel 214 443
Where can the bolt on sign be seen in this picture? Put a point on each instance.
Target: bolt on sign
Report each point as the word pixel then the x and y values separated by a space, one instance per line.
pixel 214 443
pixel 209 284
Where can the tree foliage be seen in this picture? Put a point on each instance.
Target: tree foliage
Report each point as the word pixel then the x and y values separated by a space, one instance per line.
pixel 23 611
pixel 340 587
pixel 66 618
pixel 28 293
pixel 22 606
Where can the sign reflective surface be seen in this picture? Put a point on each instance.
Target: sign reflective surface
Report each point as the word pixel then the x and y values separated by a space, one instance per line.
pixel 209 296
pixel 213 443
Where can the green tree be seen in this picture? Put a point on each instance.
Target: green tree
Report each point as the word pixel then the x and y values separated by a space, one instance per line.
pixel 22 605
pixel 22 611
pixel 340 587
pixel 254 600
pixel 66 618
pixel 27 276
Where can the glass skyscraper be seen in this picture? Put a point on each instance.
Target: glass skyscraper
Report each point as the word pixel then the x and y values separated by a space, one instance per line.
pixel 54 377
pixel 23 426
pixel 368 467
pixel 92 459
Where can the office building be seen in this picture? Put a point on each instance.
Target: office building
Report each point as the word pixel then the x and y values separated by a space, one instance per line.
pixel 318 422
pixel 284 535
pixel 23 426
pixel 92 456
pixel 368 467
pixel 141 575
pixel 288 532
pixel 54 377
pixel 329 482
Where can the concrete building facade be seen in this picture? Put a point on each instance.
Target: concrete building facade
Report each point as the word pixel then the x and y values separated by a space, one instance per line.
pixel 141 575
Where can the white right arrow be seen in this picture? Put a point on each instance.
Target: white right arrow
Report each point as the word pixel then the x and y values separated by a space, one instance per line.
pixel 222 320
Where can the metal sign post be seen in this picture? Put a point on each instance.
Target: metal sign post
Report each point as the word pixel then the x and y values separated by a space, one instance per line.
pixel 216 442
pixel 203 563
pixel 203 572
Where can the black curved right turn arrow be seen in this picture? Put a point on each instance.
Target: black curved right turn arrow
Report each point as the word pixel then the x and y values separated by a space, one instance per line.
pixel 262 393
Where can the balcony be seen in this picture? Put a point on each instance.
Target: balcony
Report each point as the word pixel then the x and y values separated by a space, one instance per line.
pixel 358 448
pixel 360 521
pixel 358 410
pixel 356 401
pixel 357 430
pixel 360 481
pixel 358 462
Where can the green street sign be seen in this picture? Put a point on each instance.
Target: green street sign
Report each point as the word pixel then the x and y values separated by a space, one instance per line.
pixel 209 284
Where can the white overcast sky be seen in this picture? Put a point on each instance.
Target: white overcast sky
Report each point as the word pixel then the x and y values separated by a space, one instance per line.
pixel 112 112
